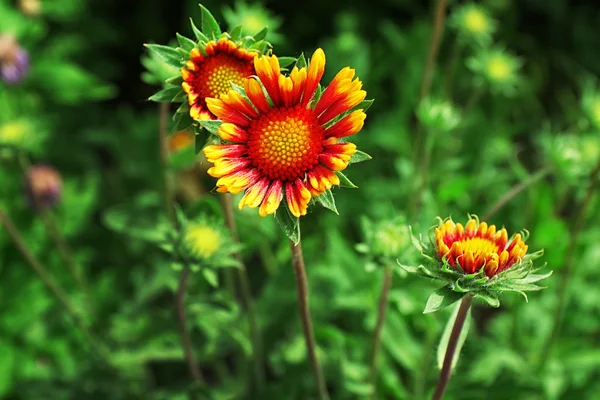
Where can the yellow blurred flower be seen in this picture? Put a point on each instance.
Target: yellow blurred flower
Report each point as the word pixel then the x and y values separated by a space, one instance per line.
pixel 202 240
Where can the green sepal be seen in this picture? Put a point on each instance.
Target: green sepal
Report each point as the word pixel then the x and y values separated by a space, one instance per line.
pixel 210 26
pixel 489 298
pixel 182 122
pixel 262 34
pixel 175 80
pixel 359 156
pixel 344 181
pixel 442 298
pixel 210 125
pixel 198 144
pixel 260 46
pixel 198 33
pixel 170 55
pixel 364 105
pixel 185 43
pixel 236 33
pixel 167 95
pixel 327 200
pixel 301 62
pixel 289 224
pixel 286 61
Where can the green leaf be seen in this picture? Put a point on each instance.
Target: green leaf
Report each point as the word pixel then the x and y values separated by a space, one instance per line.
pixel 182 122
pixel 261 35
pixel 489 299
pixel 286 61
pixel 344 181
pixel 301 62
pixel 185 43
pixel 175 80
pixel 210 26
pixel 170 55
pixel 441 298
pixel 441 352
pixel 210 125
pixel 327 200
pixel 359 156
pixel 364 105
pixel 532 278
pixel 166 95
pixel 260 46
pixel 236 33
pixel 198 33
pixel 211 277
pixel 199 144
pixel 289 224
pixel 7 367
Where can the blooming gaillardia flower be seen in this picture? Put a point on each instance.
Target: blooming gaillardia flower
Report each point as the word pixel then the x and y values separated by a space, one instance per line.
pixel 14 60
pixel 284 136
pixel 43 185
pixel 476 259
pixel 211 71
pixel 206 67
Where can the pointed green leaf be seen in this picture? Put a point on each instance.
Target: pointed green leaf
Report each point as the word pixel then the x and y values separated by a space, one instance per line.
pixel 441 298
pixel 236 33
pixel 289 224
pixel 364 105
pixel 489 299
pixel 344 181
pixel 359 156
pixel 166 95
pixel 198 33
pixel 327 200
pixel 260 46
pixel 261 35
pixel 301 62
pixel 441 351
pixel 185 43
pixel 210 125
pixel 532 278
pixel 175 80
pixel 199 143
pixel 211 277
pixel 170 55
pixel 210 26
pixel 182 122
pixel 286 61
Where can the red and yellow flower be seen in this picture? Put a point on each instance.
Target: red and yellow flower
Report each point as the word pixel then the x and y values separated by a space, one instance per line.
pixel 477 245
pixel 209 73
pixel 280 141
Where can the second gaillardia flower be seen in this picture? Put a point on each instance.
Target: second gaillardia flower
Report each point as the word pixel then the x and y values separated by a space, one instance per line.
pixel 478 260
pixel 284 137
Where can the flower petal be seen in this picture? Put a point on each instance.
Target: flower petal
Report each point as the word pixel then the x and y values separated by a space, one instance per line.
pixel 272 199
pixel 215 152
pixel 255 194
pixel 226 166
pixel 226 112
pixel 267 70
pixel 297 196
pixel 232 133
pixel 255 93
pixel 347 126
pixel 316 68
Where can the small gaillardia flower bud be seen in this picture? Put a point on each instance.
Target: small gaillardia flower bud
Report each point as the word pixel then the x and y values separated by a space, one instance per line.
pixel 14 60
pixel 477 259
pixel 30 7
pixel 497 69
pixel 44 186
pixel 202 240
pixel 473 23
pixel 180 140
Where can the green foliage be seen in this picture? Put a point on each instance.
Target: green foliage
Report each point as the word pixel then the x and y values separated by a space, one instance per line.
pixel 473 139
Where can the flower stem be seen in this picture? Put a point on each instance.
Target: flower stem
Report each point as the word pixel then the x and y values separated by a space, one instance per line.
pixel 168 190
pixel 451 349
pixel 49 281
pixel 67 255
pixel 434 45
pixel 513 192
pixel 303 306
pixel 383 301
pixel 246 293
pixel 186 341
pixel 563 290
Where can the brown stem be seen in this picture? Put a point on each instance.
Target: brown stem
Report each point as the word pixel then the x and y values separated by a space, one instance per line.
pixel 563 290
pixel 383 302
pixel 451 349
pixel 434 45
pixel 513 192
pixel 186 341
pixel 49 281
pixel 303 307
pixel 67 254
pixel 168 190
pixel 246 293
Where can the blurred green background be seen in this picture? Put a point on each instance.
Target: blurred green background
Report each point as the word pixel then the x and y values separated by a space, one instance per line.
pixel 514 103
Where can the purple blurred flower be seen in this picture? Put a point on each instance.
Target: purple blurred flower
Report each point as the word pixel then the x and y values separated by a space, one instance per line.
pixel 43 186
pixel 14 60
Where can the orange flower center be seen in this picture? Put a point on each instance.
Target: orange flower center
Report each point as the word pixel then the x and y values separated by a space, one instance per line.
pixel 285 143
pixel 218 72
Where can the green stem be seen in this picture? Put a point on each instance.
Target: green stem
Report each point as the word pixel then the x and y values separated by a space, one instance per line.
pixel 513 192
pixel 454 57
pixel 446 371
pixel 563 290
pixel 383 302
pixel 186 340
pixel 246 295
pixel 168 189
pixel 49 281
pixel 304 309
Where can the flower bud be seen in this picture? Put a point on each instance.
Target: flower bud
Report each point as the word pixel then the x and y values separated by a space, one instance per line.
pixel 14 60
pixel 44 186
